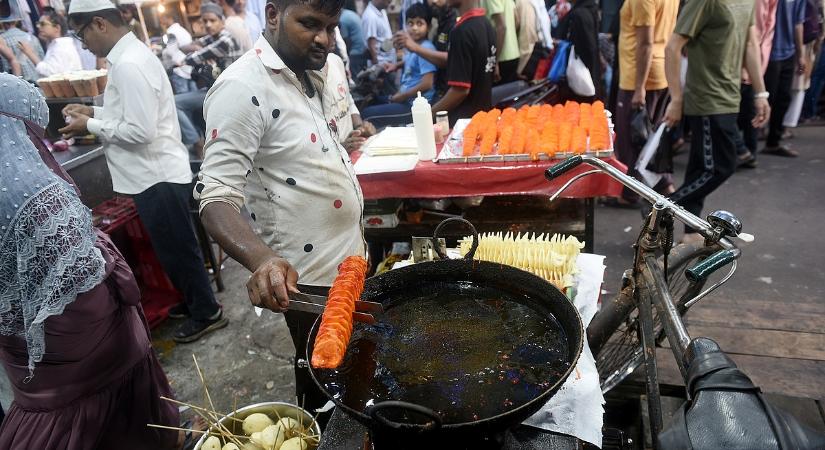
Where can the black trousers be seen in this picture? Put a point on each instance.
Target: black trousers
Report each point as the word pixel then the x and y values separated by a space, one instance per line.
pixel 164 211
pixel 508 71
pixel 746 113
pixel 712 160
pixel 778 81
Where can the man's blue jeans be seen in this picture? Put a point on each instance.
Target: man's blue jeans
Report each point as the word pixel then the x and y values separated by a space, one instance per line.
pixel 386 114
pixel 181 85
pixel 189 104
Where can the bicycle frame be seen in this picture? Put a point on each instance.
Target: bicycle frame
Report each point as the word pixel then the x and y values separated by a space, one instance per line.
pixel 647 287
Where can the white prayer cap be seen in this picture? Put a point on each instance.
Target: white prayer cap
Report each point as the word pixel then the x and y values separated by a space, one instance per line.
pixel 84 6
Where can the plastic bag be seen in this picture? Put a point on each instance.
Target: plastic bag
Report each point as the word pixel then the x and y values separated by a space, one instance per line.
pixel 559 68
pixel 640 128
pixel 578 76
pixel 650 178
pixel 662 161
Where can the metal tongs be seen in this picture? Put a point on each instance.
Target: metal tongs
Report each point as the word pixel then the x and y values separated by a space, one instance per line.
pixel 316 303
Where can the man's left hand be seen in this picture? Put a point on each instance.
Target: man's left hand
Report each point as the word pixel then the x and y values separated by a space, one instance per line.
pixel 396 98
pixel 77 127
pixel 354 141
pixel 367 129
pixel 763 112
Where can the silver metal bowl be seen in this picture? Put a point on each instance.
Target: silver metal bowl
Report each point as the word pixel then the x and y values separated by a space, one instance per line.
pixel 270 409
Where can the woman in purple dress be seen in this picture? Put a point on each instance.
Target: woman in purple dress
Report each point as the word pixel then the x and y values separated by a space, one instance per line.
pixel 73 338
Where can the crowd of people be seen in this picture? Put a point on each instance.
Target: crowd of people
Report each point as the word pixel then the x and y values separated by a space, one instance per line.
pixel 264 99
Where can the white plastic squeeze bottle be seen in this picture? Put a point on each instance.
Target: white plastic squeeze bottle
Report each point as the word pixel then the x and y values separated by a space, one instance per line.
pixel 423 121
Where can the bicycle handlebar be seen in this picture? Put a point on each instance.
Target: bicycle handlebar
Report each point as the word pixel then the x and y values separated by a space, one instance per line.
pixel 638 187
pixel 711 264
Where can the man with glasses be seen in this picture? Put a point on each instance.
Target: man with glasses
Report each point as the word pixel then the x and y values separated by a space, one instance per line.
pixel 139 126
pixel 61 53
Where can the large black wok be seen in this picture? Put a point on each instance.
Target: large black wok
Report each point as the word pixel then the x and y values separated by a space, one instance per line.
pixel 464 348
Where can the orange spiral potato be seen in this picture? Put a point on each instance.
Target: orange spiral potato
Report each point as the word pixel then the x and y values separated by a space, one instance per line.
pixel 538 129
pixel 519 139
pixel 579 143
pixel 336 322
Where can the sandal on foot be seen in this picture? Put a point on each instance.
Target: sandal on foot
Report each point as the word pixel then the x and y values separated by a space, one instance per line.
pixel 780 151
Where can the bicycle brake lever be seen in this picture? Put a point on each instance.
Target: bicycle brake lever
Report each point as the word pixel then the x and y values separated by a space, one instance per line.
pixel 746 237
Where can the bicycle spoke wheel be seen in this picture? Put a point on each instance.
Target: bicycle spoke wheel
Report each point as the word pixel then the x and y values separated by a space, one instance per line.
pixel 622 353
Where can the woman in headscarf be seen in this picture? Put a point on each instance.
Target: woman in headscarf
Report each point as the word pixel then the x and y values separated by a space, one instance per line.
pixel 73 339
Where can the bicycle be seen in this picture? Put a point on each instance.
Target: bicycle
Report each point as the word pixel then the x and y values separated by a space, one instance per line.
pixel 664 282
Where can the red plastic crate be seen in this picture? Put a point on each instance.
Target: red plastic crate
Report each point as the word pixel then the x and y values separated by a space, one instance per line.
pixel 136 231
pixel 156 304
pixel 151 275
pixel 119 215
pixel 115 213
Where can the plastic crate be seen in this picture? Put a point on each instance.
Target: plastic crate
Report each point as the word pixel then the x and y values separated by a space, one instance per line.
pixel 158 294
pixel 136 231
pixel 156 304
pixel 113 214
pixel 151 275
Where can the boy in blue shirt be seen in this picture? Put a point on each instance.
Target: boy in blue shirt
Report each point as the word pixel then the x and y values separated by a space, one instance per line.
pixel 418 75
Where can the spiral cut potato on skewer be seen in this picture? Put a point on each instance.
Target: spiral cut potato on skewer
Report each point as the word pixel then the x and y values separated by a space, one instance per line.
pixel 552 258
pixel 336 322
pixel 537 130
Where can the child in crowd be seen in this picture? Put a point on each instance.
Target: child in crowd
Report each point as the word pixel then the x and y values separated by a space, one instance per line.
pixel 418 75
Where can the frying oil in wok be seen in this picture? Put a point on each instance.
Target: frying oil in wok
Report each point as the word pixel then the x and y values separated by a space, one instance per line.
pixel 466 352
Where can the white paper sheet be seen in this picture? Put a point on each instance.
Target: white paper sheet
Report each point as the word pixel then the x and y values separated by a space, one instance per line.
pixel 367 164
pixel 577 408
pixel 392 141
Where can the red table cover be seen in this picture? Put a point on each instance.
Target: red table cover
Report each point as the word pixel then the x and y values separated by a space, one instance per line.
pixel 439 180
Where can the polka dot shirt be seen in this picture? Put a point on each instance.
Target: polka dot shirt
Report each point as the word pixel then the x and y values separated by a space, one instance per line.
pixel 277 151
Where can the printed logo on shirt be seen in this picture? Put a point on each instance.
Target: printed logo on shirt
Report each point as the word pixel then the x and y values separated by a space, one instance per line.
pixel 491 60
pixel 339 108
pixel 442 38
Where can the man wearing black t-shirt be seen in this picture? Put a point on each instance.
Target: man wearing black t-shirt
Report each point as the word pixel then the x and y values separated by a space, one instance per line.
pixel 471 59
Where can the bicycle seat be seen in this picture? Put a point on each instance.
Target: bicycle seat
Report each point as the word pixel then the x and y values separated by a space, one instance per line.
pixel 725 410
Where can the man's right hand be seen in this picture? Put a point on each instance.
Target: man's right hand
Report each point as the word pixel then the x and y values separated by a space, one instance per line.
pixel 26 49
pixel 402 40
pixel 673 113
pixel 71 108
pixel 638 101
pixel 271 283
pixel 801 63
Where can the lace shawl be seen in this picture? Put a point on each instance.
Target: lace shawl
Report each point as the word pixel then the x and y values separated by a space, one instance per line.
pixel 47 242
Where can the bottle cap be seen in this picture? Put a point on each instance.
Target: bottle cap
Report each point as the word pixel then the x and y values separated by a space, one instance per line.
pixel 422 101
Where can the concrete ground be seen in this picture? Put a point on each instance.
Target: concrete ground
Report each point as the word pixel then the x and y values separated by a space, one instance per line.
pixel 780 202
